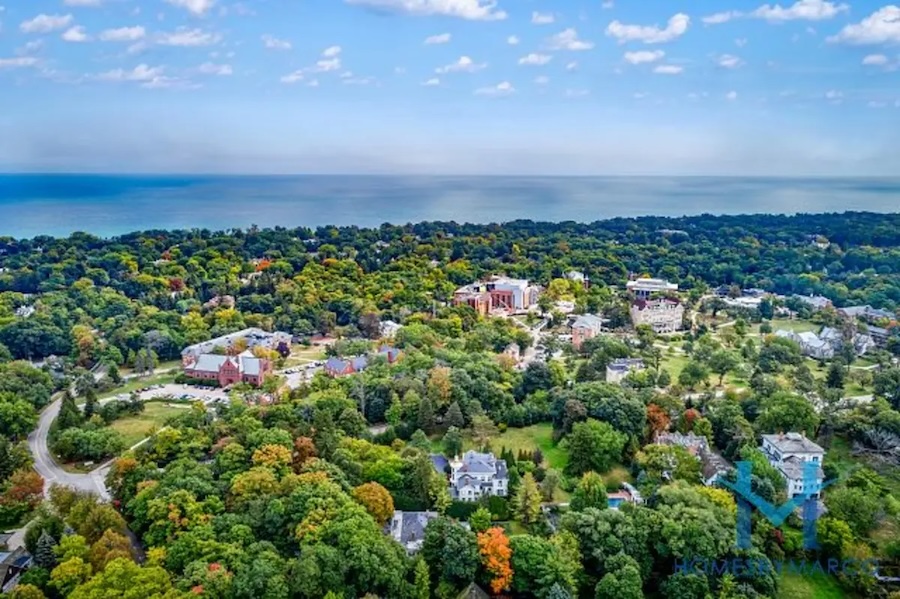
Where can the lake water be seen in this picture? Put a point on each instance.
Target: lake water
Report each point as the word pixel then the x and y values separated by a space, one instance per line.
pixel 33 205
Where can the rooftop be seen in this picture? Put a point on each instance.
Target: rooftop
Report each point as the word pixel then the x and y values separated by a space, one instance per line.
pixel 651 285
pixel 793 443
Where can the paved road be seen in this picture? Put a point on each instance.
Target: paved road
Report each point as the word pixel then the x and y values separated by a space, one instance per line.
pixel 47 467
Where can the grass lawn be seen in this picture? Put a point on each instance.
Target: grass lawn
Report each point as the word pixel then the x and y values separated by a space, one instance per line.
pixel 798 326
pixel 537 436
pixel 796 586
pixel 154 416
pixel 301 356
pixel 160 378
pixel 161 367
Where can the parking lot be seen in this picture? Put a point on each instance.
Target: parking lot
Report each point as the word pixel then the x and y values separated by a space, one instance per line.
pixel 298 375
pixel 175 391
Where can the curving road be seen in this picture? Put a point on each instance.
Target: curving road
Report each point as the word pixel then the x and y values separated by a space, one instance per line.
pixel 47 467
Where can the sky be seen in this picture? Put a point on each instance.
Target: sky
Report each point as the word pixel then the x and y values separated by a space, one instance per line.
pixel 567 87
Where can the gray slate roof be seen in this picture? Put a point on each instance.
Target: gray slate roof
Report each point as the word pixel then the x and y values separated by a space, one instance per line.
pixel 793 443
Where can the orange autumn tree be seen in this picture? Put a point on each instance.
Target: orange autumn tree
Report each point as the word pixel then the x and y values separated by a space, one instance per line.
pixel 657 420
pixel 493 545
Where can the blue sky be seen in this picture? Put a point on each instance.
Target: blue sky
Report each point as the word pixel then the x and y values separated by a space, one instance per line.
pixel 451 86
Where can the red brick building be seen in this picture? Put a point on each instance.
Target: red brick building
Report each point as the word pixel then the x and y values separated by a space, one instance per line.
pixel 228 370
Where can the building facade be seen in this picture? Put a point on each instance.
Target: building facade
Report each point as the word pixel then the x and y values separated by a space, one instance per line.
pixel 228 370
pixel 497 293
pixel 789 453
pixel 278 341
pixel 586 326
pixel 643 288
pixel 662 315
pixel 475 475
pixel 617 370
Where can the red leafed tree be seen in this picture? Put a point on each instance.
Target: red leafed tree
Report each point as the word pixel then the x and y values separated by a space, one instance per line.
pixel 176 284
pixel 657 420
pixel 263 264
pixel 25 486
pixel 493 545
pixel 687 420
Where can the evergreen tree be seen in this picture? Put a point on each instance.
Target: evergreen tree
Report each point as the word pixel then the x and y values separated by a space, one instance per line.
pixel 426 415
pixel 90 403
pixel 422 584
pixel 112 372
pixel 455 416
pixel 453 442
pixel 527 501
pixel 69 414
pixel 44 554
pixel 835 377
pixel 557 592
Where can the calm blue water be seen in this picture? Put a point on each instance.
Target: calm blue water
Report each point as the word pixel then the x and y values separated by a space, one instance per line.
pixel 108 205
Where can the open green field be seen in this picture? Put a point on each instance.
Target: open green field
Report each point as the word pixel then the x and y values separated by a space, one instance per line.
pixel 161 367
pixel 537 436
pixel 796 586
pixel 301 356
pixel 797 326
pixel 137 428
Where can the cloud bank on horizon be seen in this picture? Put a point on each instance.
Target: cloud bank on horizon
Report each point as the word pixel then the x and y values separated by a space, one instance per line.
pixel 451 86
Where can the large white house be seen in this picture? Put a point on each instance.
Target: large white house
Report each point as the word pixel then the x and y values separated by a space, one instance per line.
pixel 662 315
pixel 790 452
pixel 476 475
pixel 643 288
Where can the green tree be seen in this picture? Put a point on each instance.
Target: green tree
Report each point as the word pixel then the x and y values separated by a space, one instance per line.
pixel 451 552
pixel 622 581
pixel 721 362
pixel 123 578
pixel 68 575
pixel 787 412
pixel 858 508
pixel 834 536
pixel 45 555
pixel 887 385
pixel 593 445
pixel 550 483
pixel 589 493
pixel 453 442
pixel 480 520
pixel 455 416
pixel 426 414
pixel 836 376
pixel 527 501
pixel 17 416
pixel 421 583
pixel 69 415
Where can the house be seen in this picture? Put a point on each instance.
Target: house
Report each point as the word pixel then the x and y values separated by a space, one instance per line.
pixel 580 277
pixel 228 370
pixel 712 464
pixel 867 313
pixel 497 293
pixel 388 329
pixel 408 529
pixel 662 315
pixel 12 565
pixel 879 335
pixel 473 591
pixel 810 344
pixel 586 326
pixel 24 311
pixel 643 288
pixel 440 463
pixel 476 475
pixel 816 302
pixel 628 494
pixel 617 370
pixel 789 453
pixel 336 367
pixel 254 337
pixel 861 342
pixel 391 354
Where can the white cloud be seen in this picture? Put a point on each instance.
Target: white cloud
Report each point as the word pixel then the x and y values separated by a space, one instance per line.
pixel 464 64
pixel 834 94
pixel 162 82
pixel 273 43
pixel 668 69
pixel 400 70
pixel 650 34
pixel 313 83
pixel 740 42
pixel 188 38
pixel 720 17
pixel 535 59
pixel 503 88
pixel 568 40
pixel 325 65
pixel 806 10
pixel 877 104
pixel 542 80
pixel 638 95
pixel 608 4
pixel 209 68
pixel 577 93
pixel 512 40
pixel 123 34
pixel 294 77
pixel 472 10
pixel 433 82
pixel 331 52
pixel 82 2
pixel 30 47
pixel 359 81
pixel 197 7
pixel 15 63
pixel 729 61
pixel 76 34
pixel 142 72
pixel 572 66
pixel 441 38
pixel 46 23
pixel 542 18
pixel 881 27
pixel 732 95
pixel 643 56
pixel 875 59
